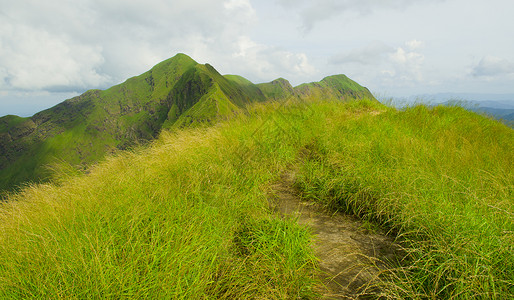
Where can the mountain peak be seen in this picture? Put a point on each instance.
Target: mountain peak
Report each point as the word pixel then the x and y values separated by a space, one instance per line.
pixel 175 93
pixel 277 89
pixel 179 60
pixel 338 87
pixel 281 81
pixel 181 57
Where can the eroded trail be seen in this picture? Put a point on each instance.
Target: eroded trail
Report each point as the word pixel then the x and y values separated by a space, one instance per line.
pixel 350 256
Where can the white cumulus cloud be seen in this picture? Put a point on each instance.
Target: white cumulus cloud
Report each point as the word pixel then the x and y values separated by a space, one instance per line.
pixel 491 66
pixel 370 54
pixel 407 58
pixel 57 45
pixel 387 65
pixel 414 44
pixel 313 12
pixel 44 60
pixel 264 63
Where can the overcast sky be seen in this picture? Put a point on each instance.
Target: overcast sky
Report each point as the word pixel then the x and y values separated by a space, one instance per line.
pixel 54 49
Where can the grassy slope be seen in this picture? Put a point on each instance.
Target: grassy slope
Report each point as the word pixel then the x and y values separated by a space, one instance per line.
pixel 188 216
pixel 250 90
pixel 442 179
pixel 185 218
pixel 213 105
pixel 80 131
pixel 278 89
pixel 12 127
pixel 176 93
pixel 335 87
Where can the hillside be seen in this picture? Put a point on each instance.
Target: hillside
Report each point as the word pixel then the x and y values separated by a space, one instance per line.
pixel 504 114
pixel 176 93
pixel 502 111
pixel 187 215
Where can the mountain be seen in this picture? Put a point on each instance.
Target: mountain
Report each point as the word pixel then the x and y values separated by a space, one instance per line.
pixel 175 93
pixel 278 89
pixel 216 213
pixel 502 111
pixel 504 101
pixel 498 113
pixel 334 87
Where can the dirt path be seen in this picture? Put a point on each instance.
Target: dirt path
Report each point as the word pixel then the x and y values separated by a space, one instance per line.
pixel 350 256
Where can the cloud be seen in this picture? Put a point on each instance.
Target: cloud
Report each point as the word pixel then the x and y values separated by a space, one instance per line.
pixel 408 64
pixel 239 6
pixel 60 46
pixel 491 66
pixel 387 65
pixel 367 55
pixel 42 60
pixel 313 12
pixel 414 44
pixel 407 58
pixel 377 53
pixel 260 62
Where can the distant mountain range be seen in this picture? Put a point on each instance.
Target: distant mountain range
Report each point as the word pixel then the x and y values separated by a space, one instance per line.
pixel 499 106
pixel 176 93
pixel 498 113
pixel 501 110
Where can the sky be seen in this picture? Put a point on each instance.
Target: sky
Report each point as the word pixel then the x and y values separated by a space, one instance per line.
pixel 53 50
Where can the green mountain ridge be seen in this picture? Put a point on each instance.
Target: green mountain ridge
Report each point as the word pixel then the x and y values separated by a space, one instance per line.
pixel 193 214
pixel 278 89
pixel 175 93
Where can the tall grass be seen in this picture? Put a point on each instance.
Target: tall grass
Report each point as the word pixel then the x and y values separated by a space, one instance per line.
pixel 188 216
pixel 185 218
pixel 441 178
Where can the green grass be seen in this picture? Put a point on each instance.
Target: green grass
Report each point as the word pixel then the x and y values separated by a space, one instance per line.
pixel 278 89
pixel 441 179
pixel 188 216
pixel 185 218
pixel 333 87
pixel 175 93
pixel 11 121
pixel 212 106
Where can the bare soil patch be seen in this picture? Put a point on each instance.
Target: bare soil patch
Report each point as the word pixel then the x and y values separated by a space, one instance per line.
pixel 351 256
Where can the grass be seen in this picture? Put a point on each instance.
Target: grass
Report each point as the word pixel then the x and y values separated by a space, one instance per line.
pixel 185 218
pixel 441 179
pixel 188 216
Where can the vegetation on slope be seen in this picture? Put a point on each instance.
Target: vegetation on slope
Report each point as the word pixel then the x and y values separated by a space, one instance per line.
pixel 189 214
pixel 176 93
pixel 278 89
pixel 440 178
pixel 335 87
pixel 184 218
pixel 82 130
